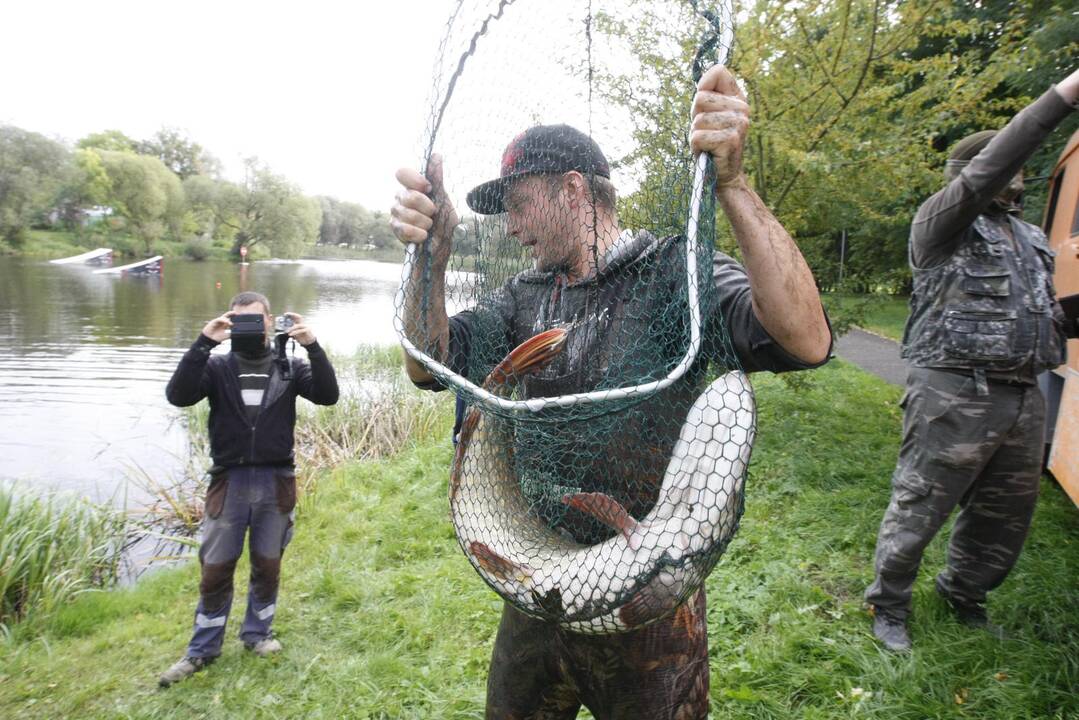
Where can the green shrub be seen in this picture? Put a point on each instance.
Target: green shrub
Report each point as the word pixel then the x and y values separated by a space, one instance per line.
pixel 197 248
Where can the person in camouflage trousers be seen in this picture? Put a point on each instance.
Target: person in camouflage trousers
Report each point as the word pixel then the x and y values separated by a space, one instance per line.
pixel 984 322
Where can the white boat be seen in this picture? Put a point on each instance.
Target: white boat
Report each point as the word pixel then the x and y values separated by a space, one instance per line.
pixel 149 266
pixel 100 256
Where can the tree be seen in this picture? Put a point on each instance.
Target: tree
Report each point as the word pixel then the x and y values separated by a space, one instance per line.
pixel 33 169
pixel 144 193
pixel 179 153
pixel 113 140
pixel 264 209
pixel 854 103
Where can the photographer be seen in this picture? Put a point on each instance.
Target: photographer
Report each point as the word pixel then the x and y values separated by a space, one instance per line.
pixel 252 397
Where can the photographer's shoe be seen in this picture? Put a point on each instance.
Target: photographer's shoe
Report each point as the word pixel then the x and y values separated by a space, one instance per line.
pixel 182 669
pixel 891 631
pixel 265 647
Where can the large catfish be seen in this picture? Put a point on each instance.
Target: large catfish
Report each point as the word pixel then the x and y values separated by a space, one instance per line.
pixel 651 564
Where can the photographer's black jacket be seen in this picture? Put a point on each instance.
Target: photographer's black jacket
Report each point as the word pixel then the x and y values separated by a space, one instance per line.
pixel 233 440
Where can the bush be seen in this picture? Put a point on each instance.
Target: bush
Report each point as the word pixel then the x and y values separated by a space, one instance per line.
pixel 197 248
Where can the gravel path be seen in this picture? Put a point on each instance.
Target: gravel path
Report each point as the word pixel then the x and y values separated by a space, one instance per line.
pixel 873 353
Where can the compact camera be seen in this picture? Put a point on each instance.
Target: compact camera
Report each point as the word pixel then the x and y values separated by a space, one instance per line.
pixel 282 324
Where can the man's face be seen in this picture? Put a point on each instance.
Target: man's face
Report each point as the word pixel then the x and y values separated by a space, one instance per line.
pixel 1010 194
pixel 539 219
pixel 256 308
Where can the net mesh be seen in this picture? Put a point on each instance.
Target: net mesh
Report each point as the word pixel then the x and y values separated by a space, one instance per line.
pixel 600 467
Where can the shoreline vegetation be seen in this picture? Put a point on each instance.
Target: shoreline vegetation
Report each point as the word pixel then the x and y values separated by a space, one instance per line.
pixel 54 244
pixel 381 616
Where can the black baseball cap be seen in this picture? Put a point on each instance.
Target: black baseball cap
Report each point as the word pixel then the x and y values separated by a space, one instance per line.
pixel 543 149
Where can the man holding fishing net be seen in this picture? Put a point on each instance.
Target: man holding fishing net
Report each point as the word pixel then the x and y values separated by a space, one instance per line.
pixel 555 191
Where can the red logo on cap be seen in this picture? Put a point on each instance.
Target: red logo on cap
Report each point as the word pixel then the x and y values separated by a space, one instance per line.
pixel 512 155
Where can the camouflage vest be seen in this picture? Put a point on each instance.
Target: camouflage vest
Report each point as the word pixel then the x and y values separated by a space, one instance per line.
pixel 989 306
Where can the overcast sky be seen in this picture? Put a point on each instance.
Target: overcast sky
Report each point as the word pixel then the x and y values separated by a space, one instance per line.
pixel 332 95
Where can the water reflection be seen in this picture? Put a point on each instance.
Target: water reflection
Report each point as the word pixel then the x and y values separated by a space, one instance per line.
pixel 82 381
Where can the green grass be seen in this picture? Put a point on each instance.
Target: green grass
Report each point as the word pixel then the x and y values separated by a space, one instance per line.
pixel 882 314
pixel 382 617
pixel 51 549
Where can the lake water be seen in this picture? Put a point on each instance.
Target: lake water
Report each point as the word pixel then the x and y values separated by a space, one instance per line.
pixel 86 357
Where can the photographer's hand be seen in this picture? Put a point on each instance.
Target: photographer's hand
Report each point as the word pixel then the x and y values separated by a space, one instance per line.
pixel 218 328
pixel 300 332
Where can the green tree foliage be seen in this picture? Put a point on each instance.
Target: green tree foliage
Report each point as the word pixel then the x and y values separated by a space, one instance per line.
pixel 107 140
pixel 179 153
pixel 33 170
pixel 265 209
pixel 854 103
pixel 353 225
pixel 143 192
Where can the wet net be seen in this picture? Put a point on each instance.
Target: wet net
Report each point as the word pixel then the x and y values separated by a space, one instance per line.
pixel 599 470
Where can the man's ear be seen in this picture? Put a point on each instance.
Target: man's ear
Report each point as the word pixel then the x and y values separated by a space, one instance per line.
pixel 575 188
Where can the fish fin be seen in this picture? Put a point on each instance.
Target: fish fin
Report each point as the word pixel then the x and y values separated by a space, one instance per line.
pixel 529 356
pixel 497 565
pixel 608 511
pixel 637 611
pixel 550 602
pixel 646 606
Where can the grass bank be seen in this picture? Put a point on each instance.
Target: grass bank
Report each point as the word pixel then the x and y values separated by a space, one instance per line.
pixel 53 244
pixel 382 617
pixel 882 314
pixel 51 549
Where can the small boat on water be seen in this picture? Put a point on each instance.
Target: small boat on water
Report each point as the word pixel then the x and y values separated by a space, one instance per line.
pixel 149 266
pixel 100 256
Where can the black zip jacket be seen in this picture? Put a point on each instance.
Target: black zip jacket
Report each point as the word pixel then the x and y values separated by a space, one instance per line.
pixel 233 440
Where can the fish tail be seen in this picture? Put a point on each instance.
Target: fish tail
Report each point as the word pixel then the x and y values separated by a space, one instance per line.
pixel 497 565
pixel 608 511
pixel 529 356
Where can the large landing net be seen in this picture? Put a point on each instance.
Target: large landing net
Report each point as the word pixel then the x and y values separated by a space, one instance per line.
pixel 600 468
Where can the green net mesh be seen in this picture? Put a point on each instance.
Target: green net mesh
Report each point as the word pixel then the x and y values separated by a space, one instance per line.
pixel 599 471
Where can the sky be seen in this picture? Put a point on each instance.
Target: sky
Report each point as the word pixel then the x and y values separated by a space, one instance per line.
pixel 332 95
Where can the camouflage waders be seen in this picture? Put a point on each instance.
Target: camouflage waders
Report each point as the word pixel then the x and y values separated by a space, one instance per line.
pixel 970 443
pixel 659 672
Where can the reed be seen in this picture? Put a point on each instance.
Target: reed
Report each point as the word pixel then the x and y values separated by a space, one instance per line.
pixel 53 547
pixel 379 414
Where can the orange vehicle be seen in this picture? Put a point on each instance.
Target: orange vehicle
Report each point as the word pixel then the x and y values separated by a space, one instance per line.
pixel 1061 386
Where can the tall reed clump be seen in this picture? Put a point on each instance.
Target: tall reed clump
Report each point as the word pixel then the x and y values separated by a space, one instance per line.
pixel 379 414
pixel 52 548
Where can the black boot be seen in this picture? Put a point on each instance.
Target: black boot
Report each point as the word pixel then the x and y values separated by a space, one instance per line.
pixel 972 615
pixel 891 631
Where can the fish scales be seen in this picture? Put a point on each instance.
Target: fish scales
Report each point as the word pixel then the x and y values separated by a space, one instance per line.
pixel 638 575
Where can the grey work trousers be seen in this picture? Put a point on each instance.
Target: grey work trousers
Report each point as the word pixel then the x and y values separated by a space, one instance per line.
pixel 982 452
pixel 262 499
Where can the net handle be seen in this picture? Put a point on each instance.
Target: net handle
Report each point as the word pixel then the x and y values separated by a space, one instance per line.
pixel 491 401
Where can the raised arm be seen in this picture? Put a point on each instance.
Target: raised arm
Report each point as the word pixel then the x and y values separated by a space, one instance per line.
pixel 189 382
pixel 785 297
pixel 939 224
pixel 423 210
